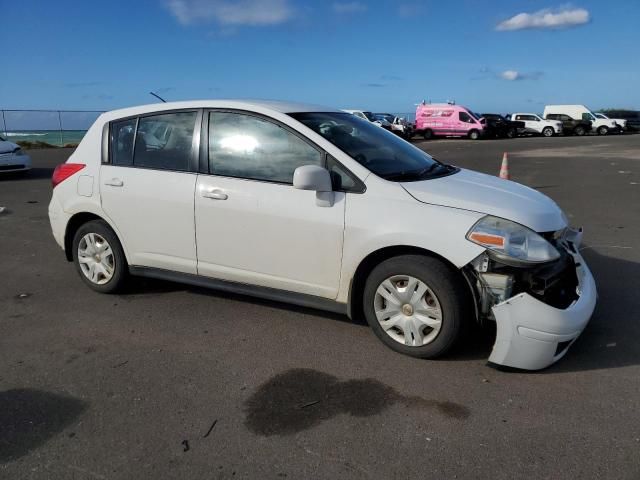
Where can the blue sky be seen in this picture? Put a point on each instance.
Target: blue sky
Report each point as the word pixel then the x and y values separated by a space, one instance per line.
pixel 385 55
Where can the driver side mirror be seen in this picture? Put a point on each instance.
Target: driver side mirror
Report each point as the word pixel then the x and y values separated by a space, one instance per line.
pixel 318 179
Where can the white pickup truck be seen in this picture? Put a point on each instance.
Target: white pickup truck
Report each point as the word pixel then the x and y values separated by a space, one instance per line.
pixel 534 124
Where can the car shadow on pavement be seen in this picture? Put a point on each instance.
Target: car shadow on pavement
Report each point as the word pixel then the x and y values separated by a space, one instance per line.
pixel 29 418
pixel 37 173
pixel 607 342
pixel 151 286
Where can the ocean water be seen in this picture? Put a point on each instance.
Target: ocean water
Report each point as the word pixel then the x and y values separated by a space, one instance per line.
pixel 52 137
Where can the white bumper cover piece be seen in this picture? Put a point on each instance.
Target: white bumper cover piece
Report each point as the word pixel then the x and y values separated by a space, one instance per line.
pixel 532 335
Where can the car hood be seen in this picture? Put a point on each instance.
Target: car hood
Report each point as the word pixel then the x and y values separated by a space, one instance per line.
pixel 6 147
pixel 482 193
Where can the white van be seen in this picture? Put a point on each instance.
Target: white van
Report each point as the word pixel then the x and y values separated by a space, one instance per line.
pixel 602 126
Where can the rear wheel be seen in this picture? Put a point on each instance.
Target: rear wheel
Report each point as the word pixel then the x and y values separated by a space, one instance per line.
pixel 547 132
pixel 579 130
pixel 99 257
pixel 511 133
pixel 427 134
pixel 474 134
pixel 603 130
pixel 416 305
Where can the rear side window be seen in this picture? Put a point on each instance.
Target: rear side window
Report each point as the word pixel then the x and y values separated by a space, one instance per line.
pixel 121 148
pixel 249 147
pixel 165 141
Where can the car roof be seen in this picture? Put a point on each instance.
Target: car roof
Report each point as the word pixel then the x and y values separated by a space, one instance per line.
pixel 239 104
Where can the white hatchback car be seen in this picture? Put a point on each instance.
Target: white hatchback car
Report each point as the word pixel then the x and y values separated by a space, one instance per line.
pixel 316 207
pixel 13 158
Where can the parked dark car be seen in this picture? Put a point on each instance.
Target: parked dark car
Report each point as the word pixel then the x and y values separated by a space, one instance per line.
pixel 631 116
pixel 499 126
pixel 571 126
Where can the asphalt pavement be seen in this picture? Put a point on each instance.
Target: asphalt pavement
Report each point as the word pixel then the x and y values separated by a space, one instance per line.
pixel 171 381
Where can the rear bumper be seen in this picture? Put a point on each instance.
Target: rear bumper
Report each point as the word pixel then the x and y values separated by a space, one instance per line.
pixel 532 335
pixel 15 163
pixel 58 219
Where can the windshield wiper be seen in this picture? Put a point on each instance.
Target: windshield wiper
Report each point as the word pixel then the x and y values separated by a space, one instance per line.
pixel 413 174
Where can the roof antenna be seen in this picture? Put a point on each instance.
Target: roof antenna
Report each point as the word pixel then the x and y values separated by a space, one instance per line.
pixel 158 97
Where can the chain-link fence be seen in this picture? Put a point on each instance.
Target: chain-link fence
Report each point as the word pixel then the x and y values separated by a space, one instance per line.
pixel 59 128
pixel 46 128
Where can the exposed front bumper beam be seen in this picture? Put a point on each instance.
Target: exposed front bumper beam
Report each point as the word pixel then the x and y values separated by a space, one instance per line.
pixel 531 334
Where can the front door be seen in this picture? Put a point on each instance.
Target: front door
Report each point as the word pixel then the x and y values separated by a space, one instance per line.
pixel 252 226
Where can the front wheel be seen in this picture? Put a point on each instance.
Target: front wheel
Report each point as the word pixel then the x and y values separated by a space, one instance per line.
pixel 474 135
pixel 427 134
pixel 416 305
pixel 579 131
pixel 547 132
pixel 99 257
pixel 603 130
pixel 511 133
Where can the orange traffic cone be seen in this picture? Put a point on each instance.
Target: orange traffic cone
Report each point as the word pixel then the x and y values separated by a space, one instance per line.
pixel 504 168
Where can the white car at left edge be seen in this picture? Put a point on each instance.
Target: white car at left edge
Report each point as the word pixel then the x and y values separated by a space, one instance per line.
pixel 12 157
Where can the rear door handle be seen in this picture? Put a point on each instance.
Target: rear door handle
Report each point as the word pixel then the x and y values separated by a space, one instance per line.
pixel 215 194
pixel 114 182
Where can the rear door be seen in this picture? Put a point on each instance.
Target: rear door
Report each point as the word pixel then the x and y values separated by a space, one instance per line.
pixel 252 226
pixel 147 186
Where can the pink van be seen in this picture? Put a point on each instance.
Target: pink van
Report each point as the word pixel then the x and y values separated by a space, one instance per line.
pixel 444 119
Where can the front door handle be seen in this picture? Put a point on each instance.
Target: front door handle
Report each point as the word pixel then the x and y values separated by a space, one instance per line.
pixel 215 194
pixel 114 182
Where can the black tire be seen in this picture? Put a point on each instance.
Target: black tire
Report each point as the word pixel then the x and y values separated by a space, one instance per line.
pixel 120 267
pixel 511 133
pixel 579 131
pixel 449 289
pixel 474 134
pixel 547 132
pixel 603 130
pixel 427 134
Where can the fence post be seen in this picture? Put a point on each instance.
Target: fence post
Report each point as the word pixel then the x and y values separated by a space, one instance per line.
pixel 4 122
pixel 60 123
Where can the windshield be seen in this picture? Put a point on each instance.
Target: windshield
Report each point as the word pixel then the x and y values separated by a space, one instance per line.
pixel 369 115
pixel 378 150
pixel 385 116
pixel 2 139
pixel 600 115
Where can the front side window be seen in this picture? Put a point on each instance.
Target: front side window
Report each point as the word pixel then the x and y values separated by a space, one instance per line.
pixel 375 148
pixel 121 144
pixel 465 117
pixel 246 146
pixel 165 141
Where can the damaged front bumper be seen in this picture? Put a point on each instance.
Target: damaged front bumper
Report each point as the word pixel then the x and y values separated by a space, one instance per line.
pixel 531 334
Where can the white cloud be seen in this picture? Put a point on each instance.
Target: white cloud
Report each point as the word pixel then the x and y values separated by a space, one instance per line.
pixel 513 75
pixel 349 7
pixel 560 18
pixel 230 12
pixel 510 75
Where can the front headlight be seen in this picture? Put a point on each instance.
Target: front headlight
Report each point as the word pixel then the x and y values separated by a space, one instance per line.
pixel 510 241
